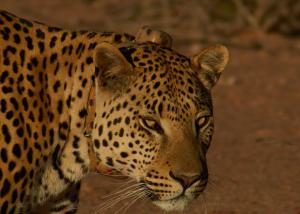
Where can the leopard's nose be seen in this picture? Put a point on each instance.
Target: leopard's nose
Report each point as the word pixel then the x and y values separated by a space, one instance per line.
pixel 185 180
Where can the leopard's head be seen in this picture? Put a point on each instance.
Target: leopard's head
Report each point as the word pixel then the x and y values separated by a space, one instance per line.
pixel 154 117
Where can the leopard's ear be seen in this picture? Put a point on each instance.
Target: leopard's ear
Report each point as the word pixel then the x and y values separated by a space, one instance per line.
pixel 147 34
pixel 113 71
pixel 210 63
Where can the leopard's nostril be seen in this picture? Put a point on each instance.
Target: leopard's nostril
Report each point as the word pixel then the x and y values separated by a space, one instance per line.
pixel 185 180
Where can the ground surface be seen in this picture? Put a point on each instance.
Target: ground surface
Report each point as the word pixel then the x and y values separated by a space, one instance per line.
pixel 255 156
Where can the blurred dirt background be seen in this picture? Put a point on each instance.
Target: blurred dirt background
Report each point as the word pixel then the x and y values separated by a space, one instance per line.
pixel 254 160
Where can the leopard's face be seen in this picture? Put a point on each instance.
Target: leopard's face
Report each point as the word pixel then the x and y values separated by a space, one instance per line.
pixel 154 119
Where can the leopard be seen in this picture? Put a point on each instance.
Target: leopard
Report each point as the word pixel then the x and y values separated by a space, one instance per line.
pixel 77 102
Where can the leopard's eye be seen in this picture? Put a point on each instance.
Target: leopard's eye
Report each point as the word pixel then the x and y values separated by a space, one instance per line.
pixel 151 125
pixel 202 122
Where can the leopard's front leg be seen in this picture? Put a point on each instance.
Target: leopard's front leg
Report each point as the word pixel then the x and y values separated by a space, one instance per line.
pixel 74 159
pixel 68 166
pixel 64 203
pixel 67 202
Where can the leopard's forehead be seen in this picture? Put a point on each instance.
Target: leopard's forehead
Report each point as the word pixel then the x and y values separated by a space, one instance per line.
pixel 167 85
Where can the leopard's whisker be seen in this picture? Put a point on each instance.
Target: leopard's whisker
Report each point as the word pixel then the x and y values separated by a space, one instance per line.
pixel 108 204
pixel 121 190
pixel 126 207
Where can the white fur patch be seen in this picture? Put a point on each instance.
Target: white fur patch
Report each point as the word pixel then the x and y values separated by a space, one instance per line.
pixel 178 204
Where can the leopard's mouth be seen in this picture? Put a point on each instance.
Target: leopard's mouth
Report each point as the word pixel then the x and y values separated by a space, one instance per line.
pixel 177 203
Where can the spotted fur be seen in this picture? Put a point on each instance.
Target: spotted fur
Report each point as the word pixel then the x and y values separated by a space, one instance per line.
pixel 152 120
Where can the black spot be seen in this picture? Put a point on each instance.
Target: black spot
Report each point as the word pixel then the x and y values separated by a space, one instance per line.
pixel 133 97
pixel 16 122
pixel 29 155
pixel 25 30
pixel 78 159
pixel 97 143
pixel 78 49
pixel 156 85
pixel 41 47
pixel 191 90
pixel 28 129
pixel 124 154
pixel 100 130
pixel 38 146
pixel 34 61
pixel 89 60
pixel 64 36
pixel 109 135
pixel 160 108
pixel 125 104
pixel 92 45
pixel 25 104
pixel 5 188
pixel 53 57
pixel 69 101
pixel 70 49
pixel 142 64
pixel 3 155
pixel 84 81
pixel 7 90
pixel 6 134
pixel 159 93
pixel 116 144
pixel 30 78
pixel 76 142
pixel 127 120
pixel 17 150
pixel 22 55
pixel 17 39
pixel 17 27
pixel 117 38
pixel 60 106
pixel 73 35
pixel 15 67
pixel 82 113
pixel 4 207
pixel 9 115
pixel 79 93
pixel 121 132
pixel 4 76
pixel 14 197
pixel 109 161
pixel 53 41
pixel 5 35
pixel 40 34
pixel 19 175
pixel 104 143
pixel 29 42
pixel 20 132
pixel 56 86
pixel 11 165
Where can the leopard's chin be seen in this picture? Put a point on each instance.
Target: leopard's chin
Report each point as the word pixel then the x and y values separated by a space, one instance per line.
pixel 176 204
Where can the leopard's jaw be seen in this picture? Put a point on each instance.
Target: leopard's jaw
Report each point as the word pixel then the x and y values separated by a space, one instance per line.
pixel 177 204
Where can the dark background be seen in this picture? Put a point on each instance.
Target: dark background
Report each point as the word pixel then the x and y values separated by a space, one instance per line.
pixel 255 156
